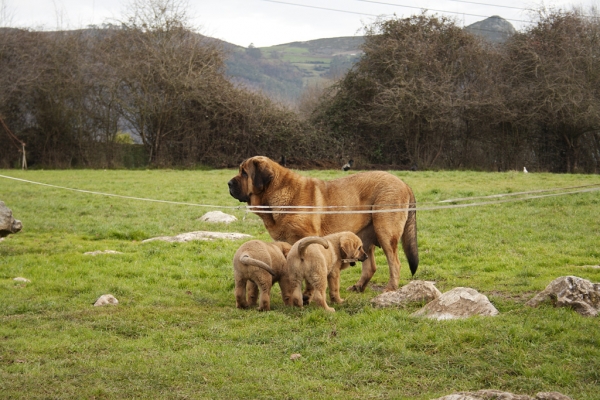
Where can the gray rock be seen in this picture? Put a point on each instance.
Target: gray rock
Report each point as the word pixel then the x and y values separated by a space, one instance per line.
pixel 414 291
pixel 458 303
pixel 580 294
pixel 8 224
pixel 217 216
pixel 106 299
pixel 200 235
pixel 499 395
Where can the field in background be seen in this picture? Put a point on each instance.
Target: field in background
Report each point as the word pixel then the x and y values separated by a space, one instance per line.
pixel 319 60
pixel 177 334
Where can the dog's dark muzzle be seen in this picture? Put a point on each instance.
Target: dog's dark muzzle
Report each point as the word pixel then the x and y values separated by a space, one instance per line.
pixel 235 190
pixel 352 261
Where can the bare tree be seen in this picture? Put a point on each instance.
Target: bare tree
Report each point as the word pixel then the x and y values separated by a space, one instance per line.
pixel 553 71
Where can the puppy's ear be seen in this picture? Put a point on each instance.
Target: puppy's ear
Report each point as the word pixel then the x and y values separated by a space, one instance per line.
pixel 347 247
pixel 261 175
pixel 285 248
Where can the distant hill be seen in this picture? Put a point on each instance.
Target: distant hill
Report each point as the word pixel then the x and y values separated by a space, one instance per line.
pixel 494 29
pixel 283 71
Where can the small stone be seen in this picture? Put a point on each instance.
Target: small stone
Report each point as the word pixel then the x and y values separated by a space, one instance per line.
pixel 217 216
pixel 21 279
pixel 295 356
pixel 105 300
pixel 95 253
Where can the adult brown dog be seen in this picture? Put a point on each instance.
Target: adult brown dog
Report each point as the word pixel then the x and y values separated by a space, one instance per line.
pixel 257 265
pixel 318 261
pixel 263 182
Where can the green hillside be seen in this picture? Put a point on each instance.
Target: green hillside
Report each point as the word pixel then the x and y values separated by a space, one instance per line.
pixel 283 71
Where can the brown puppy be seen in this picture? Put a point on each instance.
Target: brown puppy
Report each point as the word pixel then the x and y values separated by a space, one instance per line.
pixel 363 199
pixel 318 261
pixel 257 265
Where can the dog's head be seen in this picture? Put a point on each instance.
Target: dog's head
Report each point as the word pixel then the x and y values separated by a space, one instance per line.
pixel 254 177
pixel 352 248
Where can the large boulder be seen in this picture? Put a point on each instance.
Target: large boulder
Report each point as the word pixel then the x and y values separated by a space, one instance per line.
pixel 499 395
pixel 457 303
pixel 580 294
pixel 413 292
pixel 8 224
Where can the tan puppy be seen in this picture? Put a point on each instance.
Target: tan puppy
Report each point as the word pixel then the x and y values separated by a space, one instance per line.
pixel 356 203
pixel 318 261
pixel 257 265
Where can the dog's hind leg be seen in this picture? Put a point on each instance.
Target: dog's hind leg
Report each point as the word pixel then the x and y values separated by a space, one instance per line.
pixel 390 248
pixel 264 285
pixel 334 287
pixel 240 293
pixel 265 300
pixel 368 270
pixel 252 293
pixel 297 295
pixel 319 282
pixel 307 295
pixel 320 296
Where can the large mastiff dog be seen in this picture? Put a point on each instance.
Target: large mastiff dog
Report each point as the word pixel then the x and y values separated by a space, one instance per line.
pixel 345 204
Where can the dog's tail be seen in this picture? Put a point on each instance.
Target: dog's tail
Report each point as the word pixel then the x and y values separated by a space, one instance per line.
pixel 307 241
pixel 247 260
pixel 409 236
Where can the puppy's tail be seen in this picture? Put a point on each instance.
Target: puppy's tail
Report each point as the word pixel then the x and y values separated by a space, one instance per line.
pixel 247 260
pixel 307 241
pixel 409 237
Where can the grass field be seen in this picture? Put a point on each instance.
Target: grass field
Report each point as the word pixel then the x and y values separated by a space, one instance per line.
pixel 177 334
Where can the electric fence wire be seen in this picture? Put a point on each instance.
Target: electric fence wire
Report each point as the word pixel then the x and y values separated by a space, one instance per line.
pixel 371 209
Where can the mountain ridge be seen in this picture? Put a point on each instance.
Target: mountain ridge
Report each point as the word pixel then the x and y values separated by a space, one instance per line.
pixel 283 71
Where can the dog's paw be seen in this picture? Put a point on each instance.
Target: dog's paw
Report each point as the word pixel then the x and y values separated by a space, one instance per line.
pixel 389 288
pixel 355 288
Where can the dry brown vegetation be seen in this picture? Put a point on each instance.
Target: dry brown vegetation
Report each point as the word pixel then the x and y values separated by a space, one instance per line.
pixel 425 93
pixel 429 93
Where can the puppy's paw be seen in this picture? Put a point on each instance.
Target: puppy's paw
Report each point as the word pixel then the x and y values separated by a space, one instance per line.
pixel 355 288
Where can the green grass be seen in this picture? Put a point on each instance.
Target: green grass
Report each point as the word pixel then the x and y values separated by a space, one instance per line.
pixel 177 334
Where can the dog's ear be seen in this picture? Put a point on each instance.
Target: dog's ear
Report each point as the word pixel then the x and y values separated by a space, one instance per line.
pixel 348 246
pixel 261 175
pixel 285 248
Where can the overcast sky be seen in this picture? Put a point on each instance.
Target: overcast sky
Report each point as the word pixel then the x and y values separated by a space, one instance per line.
pixel 270 22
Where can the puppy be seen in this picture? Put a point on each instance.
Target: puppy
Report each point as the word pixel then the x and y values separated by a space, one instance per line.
pixel 318 261
pixel 257 265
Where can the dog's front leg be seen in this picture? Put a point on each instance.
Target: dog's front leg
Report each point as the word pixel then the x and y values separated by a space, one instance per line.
pixel 368 270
